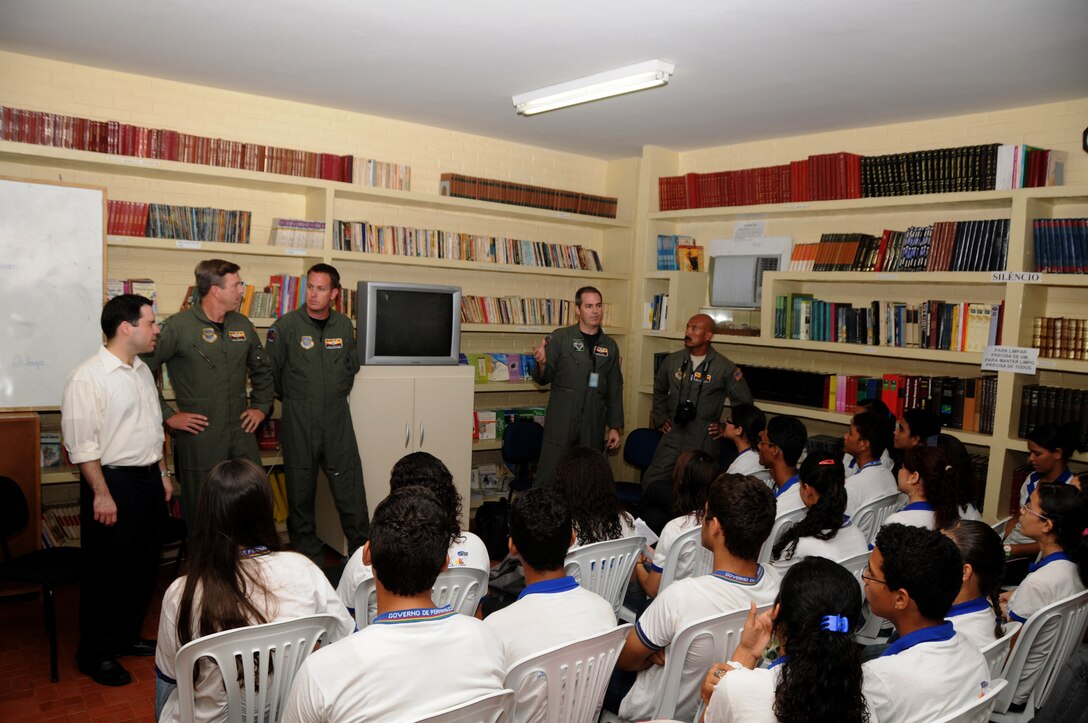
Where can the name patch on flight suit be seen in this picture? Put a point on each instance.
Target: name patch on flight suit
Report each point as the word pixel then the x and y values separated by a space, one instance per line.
pixel 306 342
pixel 208 335
pixel 600 350
pixel 236 335
pixel 337 343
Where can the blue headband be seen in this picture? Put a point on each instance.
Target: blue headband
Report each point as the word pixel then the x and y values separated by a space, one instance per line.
pixel 835 624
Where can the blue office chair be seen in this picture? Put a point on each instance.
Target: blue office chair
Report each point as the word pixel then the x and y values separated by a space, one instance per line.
pixel 521 444
pixel 638 451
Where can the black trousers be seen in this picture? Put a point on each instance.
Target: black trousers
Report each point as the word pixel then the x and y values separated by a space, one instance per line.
pixel 120 561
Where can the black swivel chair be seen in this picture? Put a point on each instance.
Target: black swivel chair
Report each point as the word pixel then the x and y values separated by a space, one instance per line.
pixel 48 568
pixel 521 444
pixel 638 451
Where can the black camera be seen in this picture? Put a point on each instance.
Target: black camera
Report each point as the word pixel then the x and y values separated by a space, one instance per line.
pixel 685 412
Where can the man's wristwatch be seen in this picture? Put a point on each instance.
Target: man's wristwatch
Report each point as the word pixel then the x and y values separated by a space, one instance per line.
pixel 1008 551
pixel 166 473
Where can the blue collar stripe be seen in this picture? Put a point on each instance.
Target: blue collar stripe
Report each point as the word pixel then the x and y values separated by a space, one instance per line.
pixel 1013 617
pixel 559 584
pixel 1052 557
pixel 971 606
pixel 1063 478
pixel 873 463
pixel 415 615
pixel 922 506
pixel 846 521
pixel 932 634
pixel 778 661
pixel 779 491
pixel 739 579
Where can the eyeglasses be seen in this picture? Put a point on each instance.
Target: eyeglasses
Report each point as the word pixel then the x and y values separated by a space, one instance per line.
pixel 867 574
pixel 730 423
pixel 766 442
pixel 1026 508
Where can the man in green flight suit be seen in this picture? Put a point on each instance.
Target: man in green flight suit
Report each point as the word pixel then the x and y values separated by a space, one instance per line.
pixel 582 364
pixel 208 349
pixel 314 361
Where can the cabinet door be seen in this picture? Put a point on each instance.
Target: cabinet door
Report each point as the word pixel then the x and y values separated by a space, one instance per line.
pixel 443 422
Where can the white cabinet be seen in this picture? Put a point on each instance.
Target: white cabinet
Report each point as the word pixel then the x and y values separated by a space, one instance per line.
pixel 399 410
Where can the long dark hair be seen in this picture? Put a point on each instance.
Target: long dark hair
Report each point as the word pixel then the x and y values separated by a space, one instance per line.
pixel 821 677
pixel 1067 509
pixel 980 547
pixel 961 466
pixel 585 481
pixel 823 472
pixel 234 512
pixel 691 478
pixel 938 482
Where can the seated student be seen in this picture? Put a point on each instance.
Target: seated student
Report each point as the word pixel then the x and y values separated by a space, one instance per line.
pixel 964 472
pixel 912 578
pixel 739 515
pixel 850 464
pixel 929 483
pixel 780 446
pixel 414 659
pixel 742 428
pixel 866 440
pixel 425 470
pixel 1049 448
pixel 584 480
pixel 695 470
pixel 825 531
pixel 817 675
pixel 916 428
pixel 1055 518
pixel 236 577
pixel 553 609
pixel 976 611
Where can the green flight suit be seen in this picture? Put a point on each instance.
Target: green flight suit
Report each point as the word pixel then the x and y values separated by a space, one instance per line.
pixel 578 415
pixel 314 370
pixel 208 372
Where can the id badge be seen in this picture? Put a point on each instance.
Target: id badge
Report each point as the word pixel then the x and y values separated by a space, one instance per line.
pixel 594 380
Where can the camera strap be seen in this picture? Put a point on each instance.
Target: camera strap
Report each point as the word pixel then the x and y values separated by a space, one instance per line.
pixel 687 378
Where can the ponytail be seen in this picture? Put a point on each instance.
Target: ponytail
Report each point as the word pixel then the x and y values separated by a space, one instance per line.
pixel 824 473
pixel 981 548
pixel 938 482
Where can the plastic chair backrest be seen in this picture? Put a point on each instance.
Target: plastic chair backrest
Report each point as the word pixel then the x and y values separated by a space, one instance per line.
pixel 979 709
pixel 521 442
pixel 366 603
pixel 567 682
pixel 871 516
pixel 267 658
pixel 491 708
pixel 461 587
pixel 999 526
pixel 639 448
pixel 1053 631
pixel 716 636
pixel 605 567
pixel 996 652
pixel 870 628
pixel 688 546
pixel 781 524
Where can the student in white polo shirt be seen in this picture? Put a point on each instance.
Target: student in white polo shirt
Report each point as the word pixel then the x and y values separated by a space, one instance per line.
pixel 414 659
pixel 929 482
pixel 824 531
pixel 1049 448
pixel 739 516
pixel 912 578
pixel 866 440
pixel 1056 518
pixel 425 470
pixel 849 463
pixel 552 609
pixel 742 428
pixel 780 446
pixel 976 611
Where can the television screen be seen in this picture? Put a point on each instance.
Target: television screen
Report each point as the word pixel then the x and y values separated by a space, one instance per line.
pixel 412 323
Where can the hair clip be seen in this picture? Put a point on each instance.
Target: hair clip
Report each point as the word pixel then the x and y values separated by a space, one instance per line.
pixel 830 460
pixel 1085 533
pixel 835 624
pixel 948 468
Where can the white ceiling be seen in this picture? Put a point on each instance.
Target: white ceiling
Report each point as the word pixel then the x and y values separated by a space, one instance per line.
pixel 745 69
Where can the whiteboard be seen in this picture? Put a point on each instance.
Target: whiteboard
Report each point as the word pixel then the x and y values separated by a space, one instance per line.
pixel 51 278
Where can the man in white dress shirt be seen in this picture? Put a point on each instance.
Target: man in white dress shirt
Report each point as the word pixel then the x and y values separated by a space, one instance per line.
pixel 112 428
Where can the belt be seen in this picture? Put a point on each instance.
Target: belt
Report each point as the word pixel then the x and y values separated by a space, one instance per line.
pixel 134 468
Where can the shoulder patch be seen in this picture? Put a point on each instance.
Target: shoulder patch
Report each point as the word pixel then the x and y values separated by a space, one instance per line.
pixel 208 334
pixel 738 374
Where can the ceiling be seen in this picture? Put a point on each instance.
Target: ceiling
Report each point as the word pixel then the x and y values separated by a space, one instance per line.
pixel 745 69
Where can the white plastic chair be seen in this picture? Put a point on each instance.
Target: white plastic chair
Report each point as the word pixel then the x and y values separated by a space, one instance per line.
pixel 1055 630
pixel 567 682
pixel 605 567
pixel 781 524
pixel 977 710
pixel 459 586
pixel 268 657
pixel 999 526
pixel 869 632
pixel 688 545
pixel 871 516
pixel 491 708
pixel 996 652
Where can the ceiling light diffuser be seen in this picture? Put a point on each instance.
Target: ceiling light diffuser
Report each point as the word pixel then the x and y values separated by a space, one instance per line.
pixel 640 76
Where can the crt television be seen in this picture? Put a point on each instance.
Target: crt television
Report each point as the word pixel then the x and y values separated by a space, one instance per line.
pixel 406 324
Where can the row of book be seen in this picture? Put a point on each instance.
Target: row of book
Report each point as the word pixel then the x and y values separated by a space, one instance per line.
pixel 198 223
pixel 297 233
pixel 382 174
pixel 655 313
pixel 126 218
pixel 490 478
pixel 960 403
pixel 142 287
pixel 432 243
pixel 60 526
pixel 492 367
pixel 457 185
pixel 283 293
pixel 679 253
pixel 964 326
pixel 516 310
pixel 1059 337
pixel 842 175
pixel 942 246
pixel 1061 245
pixel 491 423
pixel 125 139
pixel 1040 404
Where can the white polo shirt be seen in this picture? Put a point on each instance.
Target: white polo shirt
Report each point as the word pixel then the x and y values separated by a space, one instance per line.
pixel 672 530
pixel 1016 536
pixel 680 604
pixel 788 496
pixel 848 542
pixel 747 463
pixel 851 467
pixel 924 675
pixel 871 482
pixel 974 619
pixel 916 514
pixel 745 696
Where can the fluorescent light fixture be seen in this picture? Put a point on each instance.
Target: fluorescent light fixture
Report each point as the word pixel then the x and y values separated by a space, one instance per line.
pixel 640 76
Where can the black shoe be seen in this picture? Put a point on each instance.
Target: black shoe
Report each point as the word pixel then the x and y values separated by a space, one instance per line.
pixel 141 648
pixel 106 672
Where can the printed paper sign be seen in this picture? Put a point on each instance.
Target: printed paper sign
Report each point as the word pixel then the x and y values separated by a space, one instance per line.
pixel 1019 359
pixel 745 230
